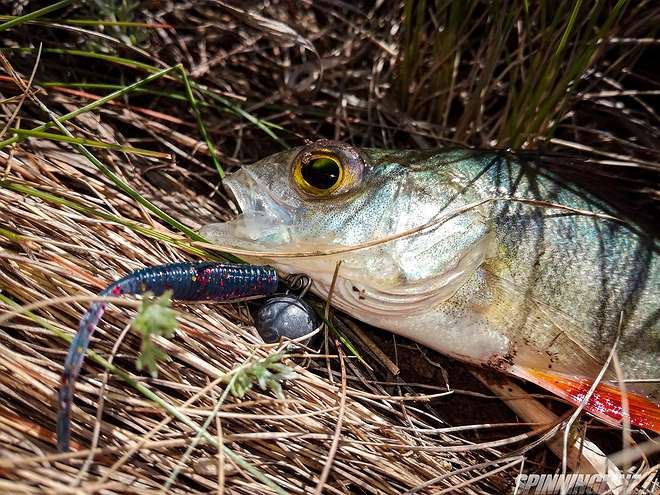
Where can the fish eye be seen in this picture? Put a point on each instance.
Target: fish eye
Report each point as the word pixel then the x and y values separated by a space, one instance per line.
pixel 327 168
pixel 319 174
pixel 323 172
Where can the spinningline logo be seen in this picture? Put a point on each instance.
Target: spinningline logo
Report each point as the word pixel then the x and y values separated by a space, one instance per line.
pixel 537 484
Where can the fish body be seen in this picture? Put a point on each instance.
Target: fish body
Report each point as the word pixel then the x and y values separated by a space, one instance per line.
pixel 477 255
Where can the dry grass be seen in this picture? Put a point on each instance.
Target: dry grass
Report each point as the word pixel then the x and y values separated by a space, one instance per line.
pixel 67 230
pixel 64 253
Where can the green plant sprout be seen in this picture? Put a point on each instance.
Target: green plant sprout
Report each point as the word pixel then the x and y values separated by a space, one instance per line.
pixel 156 318
pixel 268 373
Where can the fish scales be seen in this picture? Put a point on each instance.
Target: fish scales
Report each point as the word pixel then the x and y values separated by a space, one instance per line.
pixel 484 257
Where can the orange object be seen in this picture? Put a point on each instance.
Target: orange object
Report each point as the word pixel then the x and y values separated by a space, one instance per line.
pixel 605 402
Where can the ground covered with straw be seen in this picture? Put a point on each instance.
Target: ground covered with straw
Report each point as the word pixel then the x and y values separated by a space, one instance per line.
pixel 124 182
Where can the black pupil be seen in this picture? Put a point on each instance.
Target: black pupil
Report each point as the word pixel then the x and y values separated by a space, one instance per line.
pixel 322 173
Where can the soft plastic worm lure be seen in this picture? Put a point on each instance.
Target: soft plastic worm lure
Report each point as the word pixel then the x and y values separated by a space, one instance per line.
pixel 206 281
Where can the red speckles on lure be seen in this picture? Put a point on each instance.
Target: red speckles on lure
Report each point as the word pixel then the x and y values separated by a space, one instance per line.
pixel 205 281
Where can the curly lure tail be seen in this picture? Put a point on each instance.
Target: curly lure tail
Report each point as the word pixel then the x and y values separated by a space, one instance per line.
pixel 205 281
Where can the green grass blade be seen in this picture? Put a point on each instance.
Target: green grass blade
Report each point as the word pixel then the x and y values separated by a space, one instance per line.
pixel 92 105
pixel 261 124
pixel 57 121
pixel 200 122
pixel 89 22
pixel 90 142
pixel 569 28
pixel 155 75
pixel 347 343
pixel 112 87
pixel 11 235
pixel 132 193
pixel 34 15
pixel 139 228
pixel 128 62
pixel 149 68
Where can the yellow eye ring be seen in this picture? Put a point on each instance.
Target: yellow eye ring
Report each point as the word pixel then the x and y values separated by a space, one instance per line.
pixel 319 174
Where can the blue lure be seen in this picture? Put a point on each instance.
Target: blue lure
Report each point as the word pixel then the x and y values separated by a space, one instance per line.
pixel 192 281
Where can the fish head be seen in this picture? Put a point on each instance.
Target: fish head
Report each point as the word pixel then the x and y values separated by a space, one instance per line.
pixel 405 226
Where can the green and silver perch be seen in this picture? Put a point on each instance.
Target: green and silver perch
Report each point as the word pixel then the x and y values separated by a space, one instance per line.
pixel 479 255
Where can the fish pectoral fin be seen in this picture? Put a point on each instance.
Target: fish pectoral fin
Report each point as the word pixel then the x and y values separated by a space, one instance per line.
pixel 605 403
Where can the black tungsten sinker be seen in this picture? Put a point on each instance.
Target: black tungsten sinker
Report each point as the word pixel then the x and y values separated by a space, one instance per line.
pixel 285 316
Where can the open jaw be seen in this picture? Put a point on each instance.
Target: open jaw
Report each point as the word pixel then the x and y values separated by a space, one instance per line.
pixel 264 223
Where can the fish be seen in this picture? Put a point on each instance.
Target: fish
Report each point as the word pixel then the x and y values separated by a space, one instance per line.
pixel 484 256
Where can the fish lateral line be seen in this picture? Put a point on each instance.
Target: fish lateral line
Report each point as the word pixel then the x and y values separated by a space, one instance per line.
pixel 188 281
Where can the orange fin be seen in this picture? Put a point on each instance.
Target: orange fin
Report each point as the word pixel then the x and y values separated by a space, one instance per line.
pixel 604 403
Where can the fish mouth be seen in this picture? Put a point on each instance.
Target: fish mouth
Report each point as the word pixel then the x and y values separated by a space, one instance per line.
pixel 264 221
pixel 254 198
